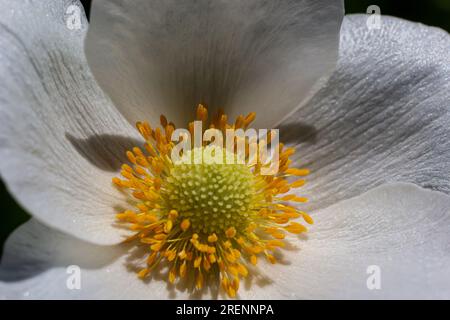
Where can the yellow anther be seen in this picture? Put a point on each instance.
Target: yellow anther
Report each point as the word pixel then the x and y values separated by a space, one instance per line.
pixel 297 172
pixel 239 122
pixel 287 153
pixel 151 195
pixel 282 219
pixel 206 264
pixel 142 207
pixel 227 244
pixel 139 195
pixel 127 168
pixel 230 257
pixel 182 255
pixel 172 275
pixel 233 270
pixel 173 214
pixel 298 183
pixel 279 235
pixel 242 270
pixel 307 218
pixel 225 284
pixel 271 259
pixel 199 281
pixel 295 228
pixel 168 226
pixel 131 157
pixel 185 224
pixel 117 181
pixel 183 269
pixel 160 236
pixel 235 284
pixel 144 129
pixel 197 262
pixel 171 255
pixel 231 292
pixel 257 249
pixel 189 256
pixel 169 131
pixel 250 118
pixel 289 197
pixel 300 199
pixel 212 258
pixel 211 249
pixel 274 243
pixel 212 238
pixel 127 174
pixel 291 214
pixel 231 232
pixel 151 258
pixel 143 273
pixel 156 246
pixel 126 215
pixel 251 227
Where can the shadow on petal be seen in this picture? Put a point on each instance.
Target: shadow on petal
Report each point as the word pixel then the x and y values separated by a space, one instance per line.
pixel 106 152
pixel 298 132
pixel 35 248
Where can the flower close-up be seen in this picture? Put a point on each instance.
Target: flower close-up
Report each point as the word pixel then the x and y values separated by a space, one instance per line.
pixel 220 149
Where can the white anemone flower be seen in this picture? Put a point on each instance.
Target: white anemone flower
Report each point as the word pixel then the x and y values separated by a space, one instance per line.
pixel 369 115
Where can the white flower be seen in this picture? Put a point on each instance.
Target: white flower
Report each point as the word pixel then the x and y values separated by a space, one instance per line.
pixel 377 131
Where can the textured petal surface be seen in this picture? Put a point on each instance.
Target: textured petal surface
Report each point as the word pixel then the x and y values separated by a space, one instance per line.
pixel 61 140
pixel 169 55
pixel 383 116
pixel 401 228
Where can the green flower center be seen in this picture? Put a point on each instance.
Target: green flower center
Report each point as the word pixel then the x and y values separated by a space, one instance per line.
pixel 214 197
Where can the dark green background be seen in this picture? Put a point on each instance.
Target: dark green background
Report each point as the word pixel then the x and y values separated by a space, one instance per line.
pixel 431 12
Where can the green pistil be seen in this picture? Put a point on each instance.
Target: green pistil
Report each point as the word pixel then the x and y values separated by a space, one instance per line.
pixel 214 197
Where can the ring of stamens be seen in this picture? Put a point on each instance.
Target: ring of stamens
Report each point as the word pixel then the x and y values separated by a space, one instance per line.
pixel 207 221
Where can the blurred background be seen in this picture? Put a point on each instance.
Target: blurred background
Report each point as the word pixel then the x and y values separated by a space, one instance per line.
pixel 430 12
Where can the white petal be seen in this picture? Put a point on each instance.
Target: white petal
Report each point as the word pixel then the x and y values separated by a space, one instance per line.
pixel 400 228
pixel 382 117
pixel 166 56
pixel 61 140
pixel 36 260
pixel 34 247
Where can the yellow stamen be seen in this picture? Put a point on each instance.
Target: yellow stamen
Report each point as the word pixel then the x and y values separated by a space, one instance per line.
pixel 297 172
pixel 185 224
pixel 208 218
pixel 231 232
pixel 213 238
